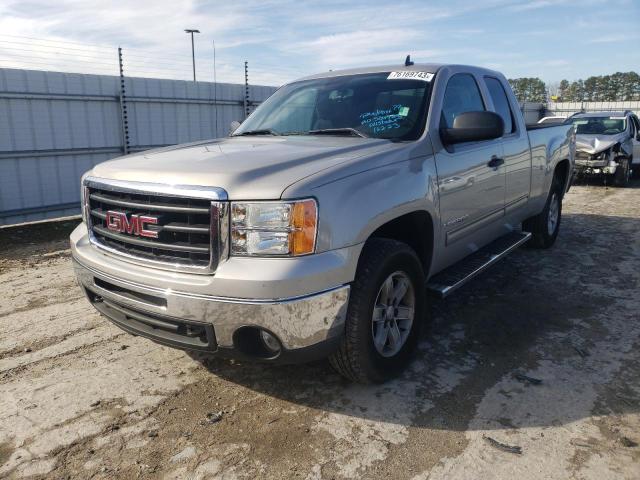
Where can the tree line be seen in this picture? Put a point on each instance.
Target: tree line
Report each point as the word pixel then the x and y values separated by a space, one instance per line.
pixel 620 86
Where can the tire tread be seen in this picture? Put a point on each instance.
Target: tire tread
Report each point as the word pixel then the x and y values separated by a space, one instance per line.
pixel 346 359
pixel 537 224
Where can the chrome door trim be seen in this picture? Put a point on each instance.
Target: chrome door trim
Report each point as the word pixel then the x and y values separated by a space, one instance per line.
pixel 455 235
pixel 514 204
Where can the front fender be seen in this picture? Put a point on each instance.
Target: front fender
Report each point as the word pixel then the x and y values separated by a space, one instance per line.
pixel 353 207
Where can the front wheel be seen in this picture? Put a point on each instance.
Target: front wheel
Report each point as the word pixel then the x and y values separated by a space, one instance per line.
pixel 545 226
pixel 386 308
pixel 623 173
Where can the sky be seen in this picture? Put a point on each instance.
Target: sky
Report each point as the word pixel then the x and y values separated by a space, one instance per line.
pixel 283 40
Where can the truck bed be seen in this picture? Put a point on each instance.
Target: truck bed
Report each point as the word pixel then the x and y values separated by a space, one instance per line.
pixel 539 126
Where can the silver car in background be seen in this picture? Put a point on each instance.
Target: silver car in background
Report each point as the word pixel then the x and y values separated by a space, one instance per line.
pixel 607 143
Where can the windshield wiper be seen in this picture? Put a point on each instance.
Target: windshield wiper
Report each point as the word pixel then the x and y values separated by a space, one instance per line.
pixel 262 131
pixel 338 131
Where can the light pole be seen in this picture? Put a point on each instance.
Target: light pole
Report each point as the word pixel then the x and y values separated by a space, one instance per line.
pixel 193 53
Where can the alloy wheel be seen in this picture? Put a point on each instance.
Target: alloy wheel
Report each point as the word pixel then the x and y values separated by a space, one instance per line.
pixel 393 314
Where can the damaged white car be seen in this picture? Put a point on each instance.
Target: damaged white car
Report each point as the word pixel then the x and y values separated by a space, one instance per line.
pixel 607 143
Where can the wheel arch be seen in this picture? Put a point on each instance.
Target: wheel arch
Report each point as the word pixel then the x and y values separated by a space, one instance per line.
pixel 563 172
pixel 416 229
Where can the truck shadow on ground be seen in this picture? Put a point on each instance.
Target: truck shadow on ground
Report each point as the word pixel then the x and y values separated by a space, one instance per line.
pixel 535 309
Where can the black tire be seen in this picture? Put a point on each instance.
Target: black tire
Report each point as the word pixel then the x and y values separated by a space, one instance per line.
pixel 357 357
pixel 623 173
pixel 542 235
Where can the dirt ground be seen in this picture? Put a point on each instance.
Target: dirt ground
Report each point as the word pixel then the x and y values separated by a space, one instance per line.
pixel 81 399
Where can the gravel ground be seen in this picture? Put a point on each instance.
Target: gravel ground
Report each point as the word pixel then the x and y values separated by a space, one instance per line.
pixel 81 399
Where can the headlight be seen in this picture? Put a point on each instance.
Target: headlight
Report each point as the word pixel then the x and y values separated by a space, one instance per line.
pixel 602 155
pixel 274 228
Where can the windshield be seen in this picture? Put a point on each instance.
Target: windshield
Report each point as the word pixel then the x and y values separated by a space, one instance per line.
pixel 599 125
pixel 370 105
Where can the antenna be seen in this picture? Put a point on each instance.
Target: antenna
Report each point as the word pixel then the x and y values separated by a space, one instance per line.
pixel 407 61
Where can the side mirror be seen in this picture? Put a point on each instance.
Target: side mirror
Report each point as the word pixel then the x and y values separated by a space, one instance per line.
pixel 473 127
pixel 234 126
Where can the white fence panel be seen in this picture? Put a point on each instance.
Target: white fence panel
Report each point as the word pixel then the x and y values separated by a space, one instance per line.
pixel 568 108
pixel 55 126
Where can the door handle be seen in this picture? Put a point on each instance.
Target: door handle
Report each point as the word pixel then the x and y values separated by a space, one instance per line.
pixel 495 162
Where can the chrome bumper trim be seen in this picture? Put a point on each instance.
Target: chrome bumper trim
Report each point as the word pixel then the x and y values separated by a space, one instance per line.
pixel 298 322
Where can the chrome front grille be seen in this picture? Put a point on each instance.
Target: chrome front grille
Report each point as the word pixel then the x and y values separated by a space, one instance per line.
pixel 186 227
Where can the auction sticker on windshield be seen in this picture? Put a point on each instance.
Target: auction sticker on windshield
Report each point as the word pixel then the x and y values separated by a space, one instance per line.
pixel 410 75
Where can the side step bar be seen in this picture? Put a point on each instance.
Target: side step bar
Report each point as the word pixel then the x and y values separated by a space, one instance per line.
pixel 449 280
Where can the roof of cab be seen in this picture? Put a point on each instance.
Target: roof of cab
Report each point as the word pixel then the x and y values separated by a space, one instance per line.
pixel 417 67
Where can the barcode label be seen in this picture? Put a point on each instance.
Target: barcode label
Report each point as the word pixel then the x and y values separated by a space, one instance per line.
pixel 411 75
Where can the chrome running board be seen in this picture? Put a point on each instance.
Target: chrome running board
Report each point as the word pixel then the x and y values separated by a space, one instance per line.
pixel 449 280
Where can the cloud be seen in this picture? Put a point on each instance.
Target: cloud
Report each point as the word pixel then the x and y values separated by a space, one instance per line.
pixel 139 24
pixel 555 4
pixel 345 49
pixel 534 4
pixel 285 39
pixel 151 33
pixel 614 38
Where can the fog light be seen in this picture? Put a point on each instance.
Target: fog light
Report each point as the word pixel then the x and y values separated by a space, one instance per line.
pixel 270 341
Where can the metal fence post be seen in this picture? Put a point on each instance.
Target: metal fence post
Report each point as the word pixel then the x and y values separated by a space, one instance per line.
pixel 246 89
pixel 124 118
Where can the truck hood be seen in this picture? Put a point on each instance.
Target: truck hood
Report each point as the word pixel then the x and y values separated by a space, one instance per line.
pixel 594 144
pixel 251 168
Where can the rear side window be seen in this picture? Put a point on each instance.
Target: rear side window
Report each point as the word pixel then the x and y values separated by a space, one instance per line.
pixel 461 95
pixel 500 102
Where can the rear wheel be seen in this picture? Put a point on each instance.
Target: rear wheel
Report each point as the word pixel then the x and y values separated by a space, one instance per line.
pixel 623 173
pixel 544 227
pixel 386 308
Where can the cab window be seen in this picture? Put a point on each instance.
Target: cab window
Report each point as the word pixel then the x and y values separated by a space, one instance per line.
pixel 461 95
pixel 501 103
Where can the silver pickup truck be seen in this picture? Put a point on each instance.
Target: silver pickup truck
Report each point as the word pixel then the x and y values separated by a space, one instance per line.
pixel 320 225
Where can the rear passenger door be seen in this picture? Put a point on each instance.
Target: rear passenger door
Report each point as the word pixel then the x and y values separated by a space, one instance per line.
pixel 471 189
pixel 515 147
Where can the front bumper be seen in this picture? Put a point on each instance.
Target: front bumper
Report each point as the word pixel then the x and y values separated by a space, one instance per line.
pixel 596 167
pixel 302 300
pixel 307 327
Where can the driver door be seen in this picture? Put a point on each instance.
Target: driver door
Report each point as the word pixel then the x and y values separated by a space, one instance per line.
pixel 471 176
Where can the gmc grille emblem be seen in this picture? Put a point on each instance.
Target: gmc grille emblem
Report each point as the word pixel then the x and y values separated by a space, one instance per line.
pixel 134 225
